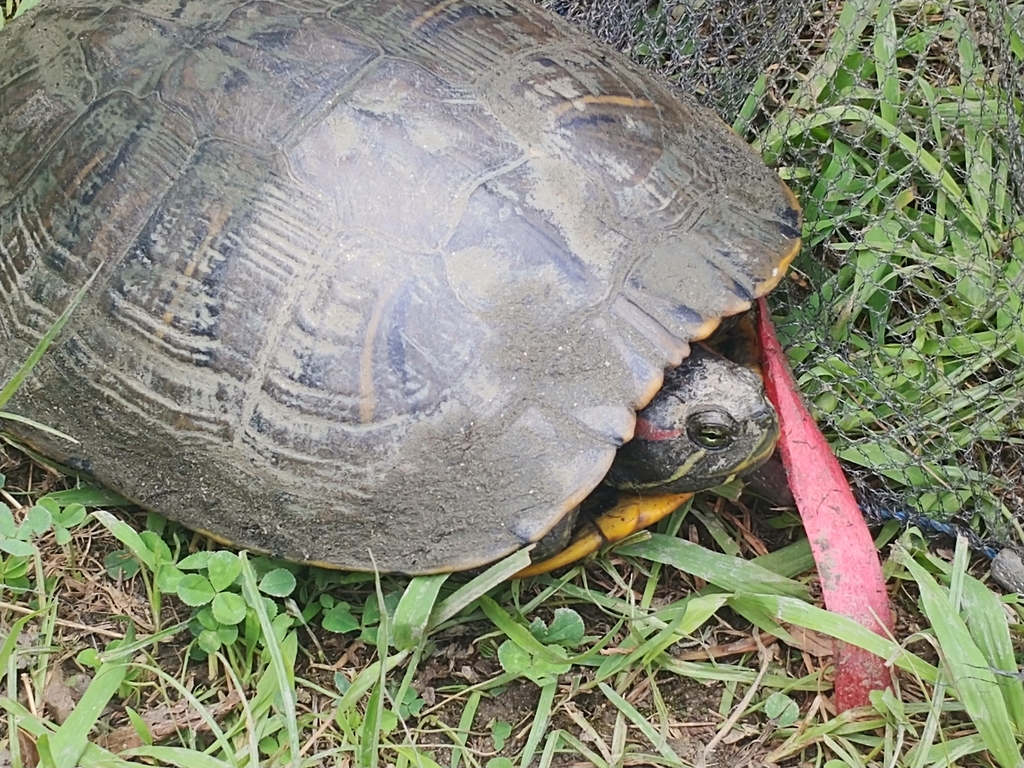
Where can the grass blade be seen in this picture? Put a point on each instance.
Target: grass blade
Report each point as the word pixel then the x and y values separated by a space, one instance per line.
pixel 473 590
pixel 648 730
pixel 285 686
pixel 975 684
pixel 461 736
pixel 986 620
pixel 369 732
pixel 853 20
pixel 127 536
pixel 413 612
pixel 368 748
pixel 729 573
pixel 368 677
pixel 36 425
pixel 37 353
pixel 540 723
pixel 416 757
pixel 11 641
pixel 70 740
pixel 92 757
pixel 547 757
pixel 809 616
pixel 519 635
pixel 177 756
pixel 886 68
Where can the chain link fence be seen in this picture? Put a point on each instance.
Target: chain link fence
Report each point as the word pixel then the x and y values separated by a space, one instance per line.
pixel 899 126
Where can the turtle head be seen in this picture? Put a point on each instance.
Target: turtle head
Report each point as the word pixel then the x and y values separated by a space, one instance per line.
pixel 710 421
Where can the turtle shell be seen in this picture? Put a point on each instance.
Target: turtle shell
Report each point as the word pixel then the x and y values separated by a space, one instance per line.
pixel 377 284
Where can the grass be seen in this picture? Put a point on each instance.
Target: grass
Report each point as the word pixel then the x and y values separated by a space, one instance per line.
pixel 577 648
pixel 9 9
pixel 137 644
pixel 913 336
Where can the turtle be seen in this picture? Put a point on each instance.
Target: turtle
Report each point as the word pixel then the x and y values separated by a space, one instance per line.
pixel 377 285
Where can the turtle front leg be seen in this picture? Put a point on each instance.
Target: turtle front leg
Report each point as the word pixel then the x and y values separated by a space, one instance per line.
pixel 627 517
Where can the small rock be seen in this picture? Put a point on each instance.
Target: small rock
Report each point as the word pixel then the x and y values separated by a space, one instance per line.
pixel 1008 570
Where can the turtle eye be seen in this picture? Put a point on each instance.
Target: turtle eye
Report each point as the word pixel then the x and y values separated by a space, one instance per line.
pixel 713 430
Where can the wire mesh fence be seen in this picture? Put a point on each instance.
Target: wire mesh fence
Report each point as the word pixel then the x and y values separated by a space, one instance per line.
pixel 899 125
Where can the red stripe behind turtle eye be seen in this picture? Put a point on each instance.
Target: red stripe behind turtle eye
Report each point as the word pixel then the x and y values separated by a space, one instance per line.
pixel 645 430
